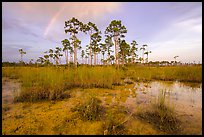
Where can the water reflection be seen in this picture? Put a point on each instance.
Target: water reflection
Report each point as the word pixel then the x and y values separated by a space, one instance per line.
pixel 182 95
pixel 178 92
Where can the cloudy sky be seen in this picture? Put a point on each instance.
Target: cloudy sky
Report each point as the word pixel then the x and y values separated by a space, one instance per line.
pixel 169 29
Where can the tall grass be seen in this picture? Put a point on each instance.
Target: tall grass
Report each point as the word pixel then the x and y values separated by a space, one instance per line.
pixel 167 73
pixel 162 115
pixel 50 83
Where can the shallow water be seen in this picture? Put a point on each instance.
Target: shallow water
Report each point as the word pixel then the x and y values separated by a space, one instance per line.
pixel 9 89
pixel 177 93
pixel 184 98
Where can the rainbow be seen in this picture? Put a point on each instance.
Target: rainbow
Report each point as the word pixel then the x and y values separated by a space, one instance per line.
pixel 53 20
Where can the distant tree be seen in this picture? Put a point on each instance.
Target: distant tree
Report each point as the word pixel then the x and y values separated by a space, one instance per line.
pixel 103 51
pixel 57 54
pixel 66 45
pixel 82 56
pixel 143 48
pixel 21 52
pixel 51 55
pixel 109 44
pixel 112 58
pixel 73 26
pixel 94 34
pixel 40 60
pixel 140 59
pixel 86 58
pixel 76 43
pixel 124 51
pixel 175 58
pixel 46 59
pixel 71 52
pixel 87 54
pixel 133 51
pixel 96 37
pixel 116 30
pixel 31 62
pixel 147 53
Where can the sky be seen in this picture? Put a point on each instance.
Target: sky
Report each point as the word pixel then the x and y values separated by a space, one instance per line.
pixel 168 28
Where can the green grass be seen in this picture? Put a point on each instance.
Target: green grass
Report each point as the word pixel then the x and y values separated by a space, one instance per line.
pixel 167 73
pixel 50 83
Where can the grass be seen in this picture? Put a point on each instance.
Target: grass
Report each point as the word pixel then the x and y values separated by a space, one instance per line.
pixel 50 83
pixel 114 121
pixel 167 73
pixel 90 110
pixel 162 115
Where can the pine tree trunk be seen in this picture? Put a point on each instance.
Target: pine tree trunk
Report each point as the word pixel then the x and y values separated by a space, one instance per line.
pixel 71 57
pixel 123 59
pixel 75 56
pixel 132 59
pixel 91 56
pixel 103 59
pixel 67 57
pixel 108 59
pixel 94 58
pixel 21 58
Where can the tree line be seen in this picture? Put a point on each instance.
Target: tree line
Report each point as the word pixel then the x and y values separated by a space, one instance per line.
pixel 114 36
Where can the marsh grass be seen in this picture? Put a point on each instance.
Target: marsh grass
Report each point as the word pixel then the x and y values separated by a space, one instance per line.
pixel 50 83
pixel 162 115
pixel 167 73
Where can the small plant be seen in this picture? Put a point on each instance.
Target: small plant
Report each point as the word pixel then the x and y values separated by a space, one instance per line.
pixel 114 121
pixel 161 100
pixel 90 110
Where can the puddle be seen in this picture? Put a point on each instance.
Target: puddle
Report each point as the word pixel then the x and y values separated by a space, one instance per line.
pixel 178 93
pixel 9 89
pixel 185 99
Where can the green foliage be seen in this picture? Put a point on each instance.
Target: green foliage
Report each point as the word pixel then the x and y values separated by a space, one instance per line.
pixel 116 28
pixel 124 50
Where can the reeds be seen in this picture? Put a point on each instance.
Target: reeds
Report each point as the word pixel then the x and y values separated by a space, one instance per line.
pixel 50 83
pixel 167 73
pixel 162 115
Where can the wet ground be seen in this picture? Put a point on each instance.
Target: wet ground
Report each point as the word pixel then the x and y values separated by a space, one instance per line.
pixel 34 118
